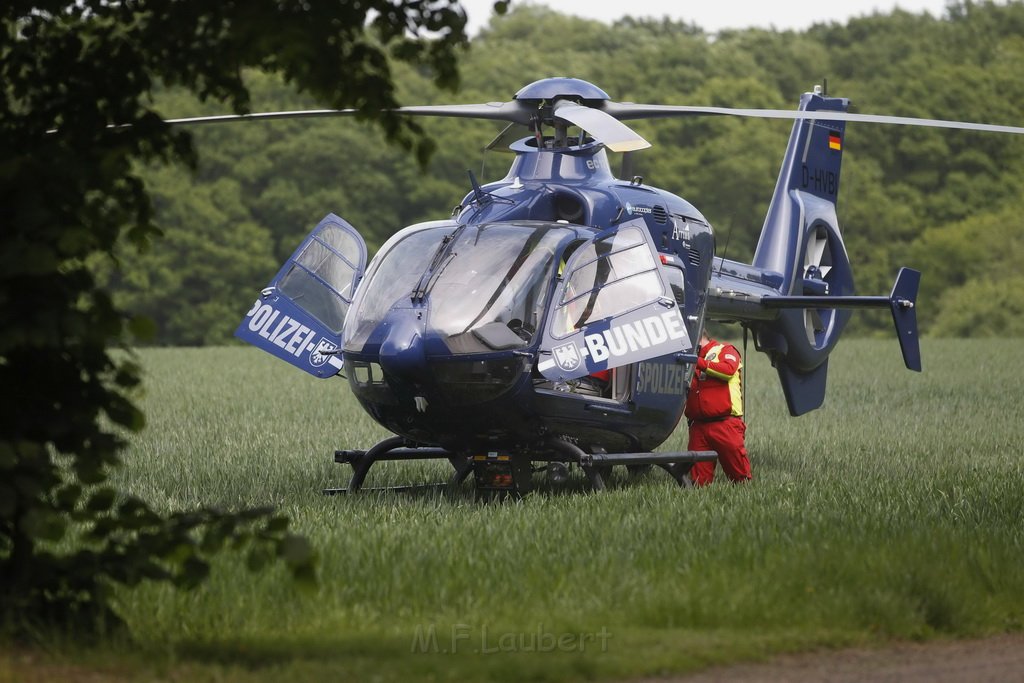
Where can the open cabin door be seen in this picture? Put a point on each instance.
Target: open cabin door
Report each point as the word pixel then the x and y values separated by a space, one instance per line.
pixel 612 307
pixel 300 314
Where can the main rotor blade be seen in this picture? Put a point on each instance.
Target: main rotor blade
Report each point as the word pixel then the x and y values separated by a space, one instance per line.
pixel 264 116
pixel 615 135
pixel 604 120
pixel 508 135
pixel 628 111
pixel 513 111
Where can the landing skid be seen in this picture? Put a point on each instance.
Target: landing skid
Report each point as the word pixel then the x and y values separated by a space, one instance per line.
pixel 408 488
pixel 499 474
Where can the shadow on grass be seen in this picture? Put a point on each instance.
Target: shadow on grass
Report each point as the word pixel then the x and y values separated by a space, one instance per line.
pixel 258 653
pixel 384 658
pixel 541 485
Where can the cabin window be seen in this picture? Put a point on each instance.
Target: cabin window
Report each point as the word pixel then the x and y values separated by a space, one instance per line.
pixel 320 280
pixel 491 296
pixel 609 277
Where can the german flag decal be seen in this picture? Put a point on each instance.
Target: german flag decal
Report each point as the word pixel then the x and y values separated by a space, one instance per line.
pixel 835 142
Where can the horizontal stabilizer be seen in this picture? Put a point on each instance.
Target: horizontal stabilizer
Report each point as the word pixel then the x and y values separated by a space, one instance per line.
pixel 902 302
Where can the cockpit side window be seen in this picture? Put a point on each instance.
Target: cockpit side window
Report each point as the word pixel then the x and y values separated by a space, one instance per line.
pixel 677 283
pixel 322 275
pixel 611 277
pixel 676 278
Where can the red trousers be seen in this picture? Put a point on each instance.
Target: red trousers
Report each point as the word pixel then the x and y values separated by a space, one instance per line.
pixel 725 437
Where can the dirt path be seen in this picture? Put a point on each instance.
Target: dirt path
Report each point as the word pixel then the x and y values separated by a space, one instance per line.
pixel 999 659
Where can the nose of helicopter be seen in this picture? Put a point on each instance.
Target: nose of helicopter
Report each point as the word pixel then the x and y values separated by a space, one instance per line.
pixel 402 354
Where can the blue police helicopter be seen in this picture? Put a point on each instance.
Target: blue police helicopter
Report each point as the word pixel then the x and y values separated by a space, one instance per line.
pixel 550 322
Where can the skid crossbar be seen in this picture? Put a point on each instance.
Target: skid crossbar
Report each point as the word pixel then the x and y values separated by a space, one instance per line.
pixel 677 463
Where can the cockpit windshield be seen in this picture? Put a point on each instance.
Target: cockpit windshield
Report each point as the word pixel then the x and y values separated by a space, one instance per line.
pixel 497 283
pixel 487 294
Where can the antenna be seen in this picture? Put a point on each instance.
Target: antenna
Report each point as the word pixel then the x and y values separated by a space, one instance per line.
pixel 627 165
pixel 479 195
pixel 725 250
pixel 745 377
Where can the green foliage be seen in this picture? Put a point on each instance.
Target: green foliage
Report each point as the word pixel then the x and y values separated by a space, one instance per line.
pixel 76 125
pixel 976 289
pixel 982 308
pixel 898 183
pixel 186 282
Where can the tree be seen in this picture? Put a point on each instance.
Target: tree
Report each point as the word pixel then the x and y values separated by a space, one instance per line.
pixel 76 119
pixel 192 281
pixel 974 267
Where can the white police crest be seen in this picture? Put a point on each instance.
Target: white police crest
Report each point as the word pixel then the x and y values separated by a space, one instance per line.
pixel 567 356
pixel 320 355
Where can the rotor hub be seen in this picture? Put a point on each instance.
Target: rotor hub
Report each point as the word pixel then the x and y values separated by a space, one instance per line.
pixel 551 89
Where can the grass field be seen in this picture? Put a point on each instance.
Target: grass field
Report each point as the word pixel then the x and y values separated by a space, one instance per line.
pixel 895 512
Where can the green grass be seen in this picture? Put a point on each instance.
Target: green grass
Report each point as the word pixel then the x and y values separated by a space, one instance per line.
pixel 895 512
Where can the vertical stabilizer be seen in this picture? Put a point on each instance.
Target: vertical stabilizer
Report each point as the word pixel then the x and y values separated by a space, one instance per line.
pixel 807 189
pixel 801 241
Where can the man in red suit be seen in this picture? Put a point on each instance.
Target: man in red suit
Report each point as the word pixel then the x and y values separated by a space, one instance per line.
pixel 714 408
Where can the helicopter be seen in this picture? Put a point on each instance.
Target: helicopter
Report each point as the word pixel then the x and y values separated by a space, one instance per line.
pixel 550 322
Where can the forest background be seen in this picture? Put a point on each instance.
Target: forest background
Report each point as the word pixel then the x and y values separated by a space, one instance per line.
pixel 945 202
